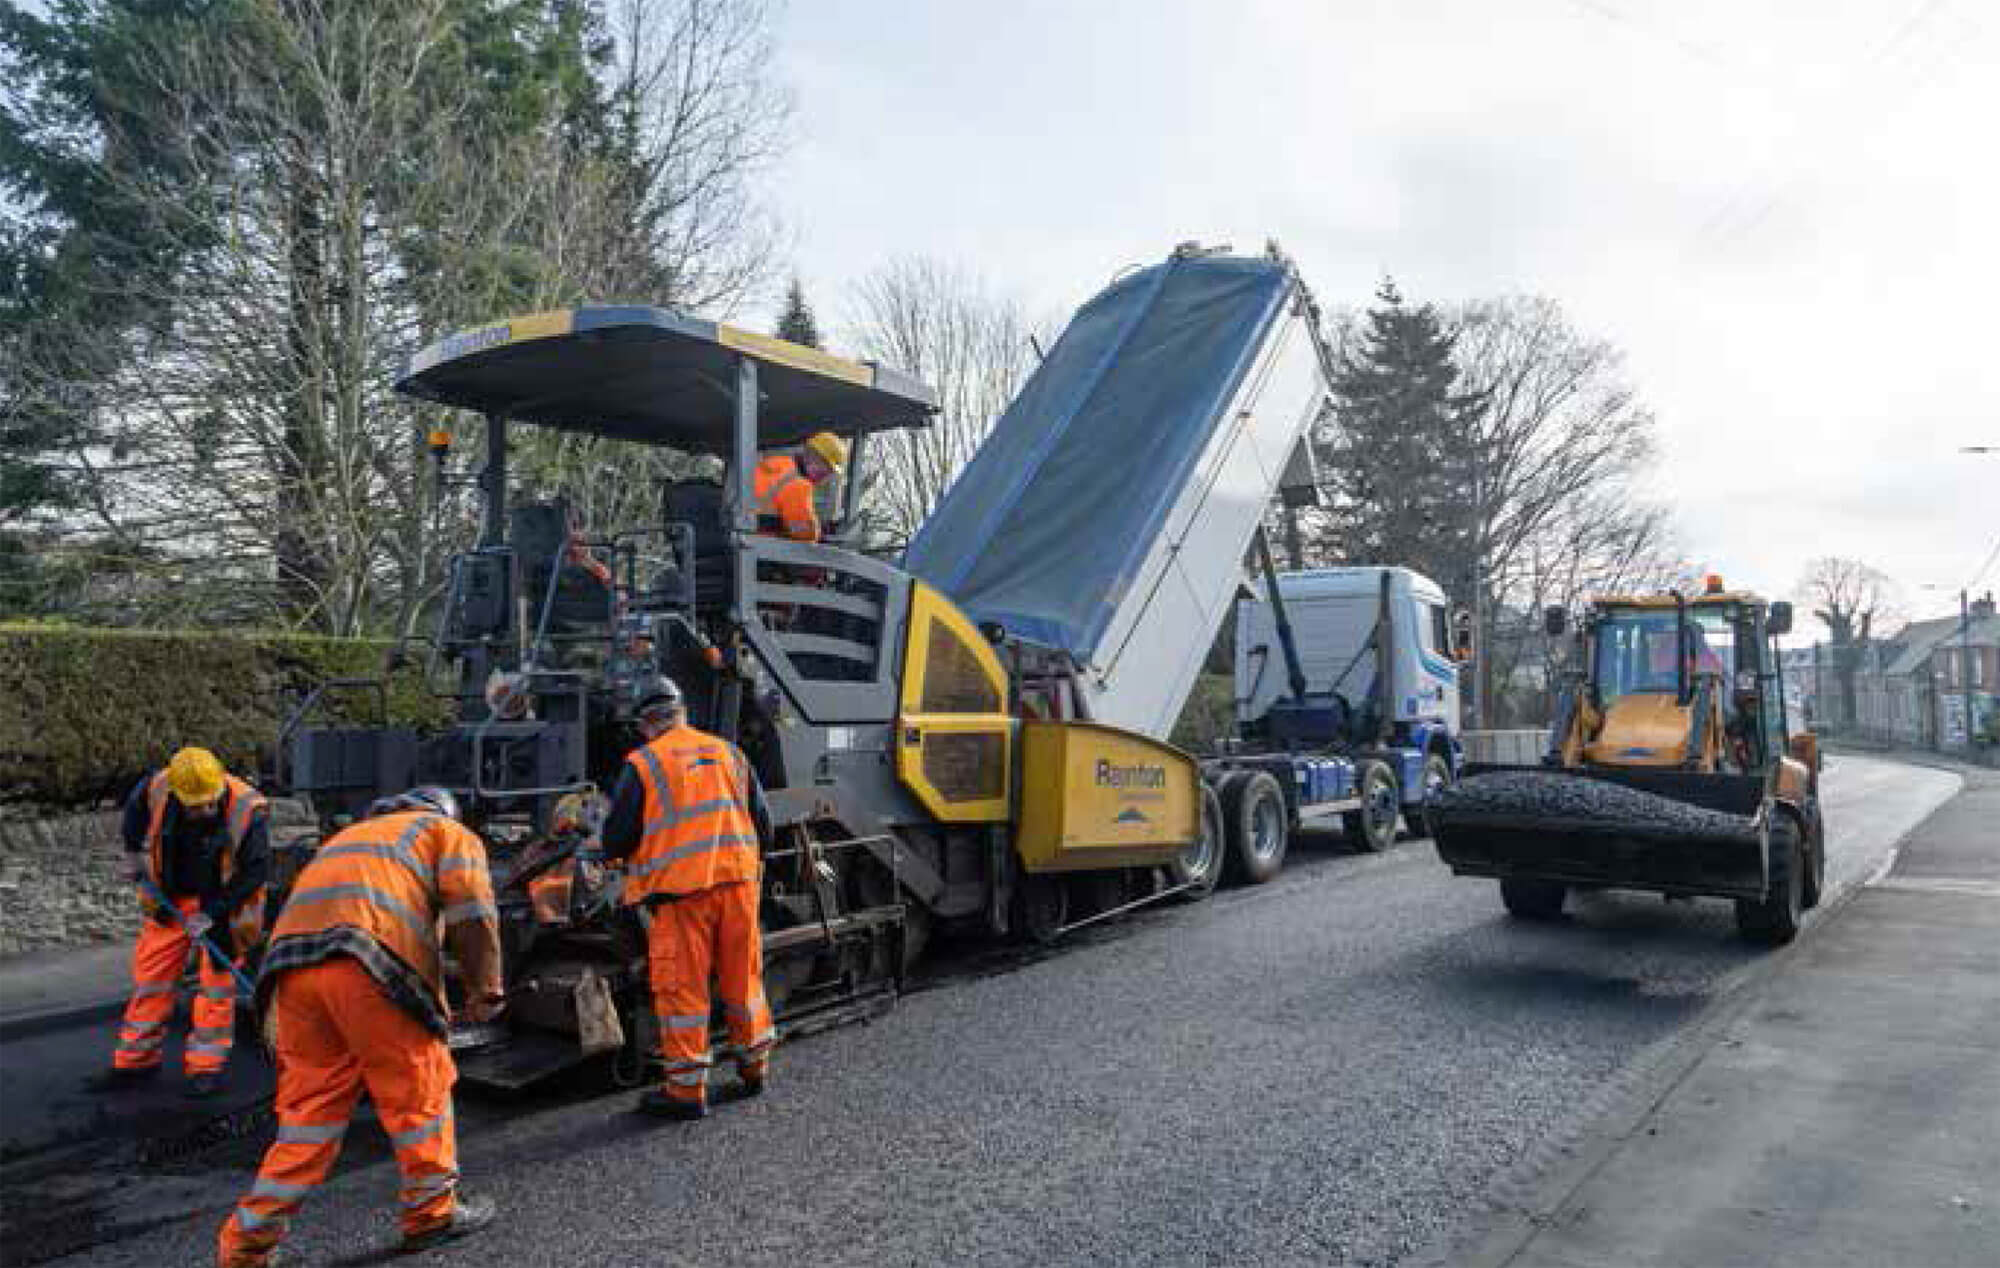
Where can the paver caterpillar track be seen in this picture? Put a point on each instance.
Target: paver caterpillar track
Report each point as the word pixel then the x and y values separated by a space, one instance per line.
pixel 1671 768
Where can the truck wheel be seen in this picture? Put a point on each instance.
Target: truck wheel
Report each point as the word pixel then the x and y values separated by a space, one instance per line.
pixel 1437 777
pixel 1373 826
pixel 1199 866
pixel 1529 899
pixel 1815 878
pixel 1773 920
pixel 1259 825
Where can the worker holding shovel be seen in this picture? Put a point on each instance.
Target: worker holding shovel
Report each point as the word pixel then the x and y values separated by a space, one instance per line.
pixel 197 843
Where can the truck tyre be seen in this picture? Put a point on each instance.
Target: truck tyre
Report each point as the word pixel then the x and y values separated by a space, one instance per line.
pixel 1373 826
pixel 1199 866
pixel 1773 920
pixel 1437 778
pixel 1258 824
pixel 1815 843
pixel 1529 899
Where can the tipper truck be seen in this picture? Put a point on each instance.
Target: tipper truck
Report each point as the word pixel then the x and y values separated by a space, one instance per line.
pixel 1101 532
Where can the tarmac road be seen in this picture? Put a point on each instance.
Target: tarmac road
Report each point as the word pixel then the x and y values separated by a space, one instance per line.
pixel 1333 1068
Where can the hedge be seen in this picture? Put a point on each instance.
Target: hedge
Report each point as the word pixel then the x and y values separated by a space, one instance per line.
pixel 88 711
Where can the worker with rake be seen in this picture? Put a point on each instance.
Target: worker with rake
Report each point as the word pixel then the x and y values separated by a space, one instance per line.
pixel 197 842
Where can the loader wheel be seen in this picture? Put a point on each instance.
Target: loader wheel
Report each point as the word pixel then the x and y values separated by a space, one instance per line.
pixel 1815 878
pixel 1529 899
pixel 1259 825
pixel 1773 920
pixel 1199 866
pixel 1041 908
pixel 1373 826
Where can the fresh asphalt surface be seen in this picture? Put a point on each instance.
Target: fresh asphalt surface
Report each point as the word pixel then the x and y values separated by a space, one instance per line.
pixel 1332 1068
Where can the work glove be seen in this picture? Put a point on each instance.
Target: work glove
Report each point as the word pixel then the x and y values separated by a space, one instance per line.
pixel 197 923
pixel 485 1008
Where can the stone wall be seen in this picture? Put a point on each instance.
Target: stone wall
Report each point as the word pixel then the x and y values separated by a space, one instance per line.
pixel 62 883
pixel 62 878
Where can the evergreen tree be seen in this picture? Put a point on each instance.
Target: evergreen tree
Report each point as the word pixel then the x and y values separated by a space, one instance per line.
pixel 797 323
pixel 1399 454
pixel 79 257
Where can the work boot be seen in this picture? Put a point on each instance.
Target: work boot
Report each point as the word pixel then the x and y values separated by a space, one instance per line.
pixel 202 1086
pixel 120 1078
pixel 752 1082
pixel 660 1105
pixel 468 1215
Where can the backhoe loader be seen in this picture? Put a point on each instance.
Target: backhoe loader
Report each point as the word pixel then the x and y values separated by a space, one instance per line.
pixel 1671 768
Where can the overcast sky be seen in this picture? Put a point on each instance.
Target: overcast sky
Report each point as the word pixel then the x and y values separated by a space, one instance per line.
pixel 1788 214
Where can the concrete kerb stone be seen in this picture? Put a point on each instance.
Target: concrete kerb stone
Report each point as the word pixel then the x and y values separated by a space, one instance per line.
pixel 1531 1194
pixel 41 1021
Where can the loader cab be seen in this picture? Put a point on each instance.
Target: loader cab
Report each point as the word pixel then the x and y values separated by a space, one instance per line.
pixel 1662 668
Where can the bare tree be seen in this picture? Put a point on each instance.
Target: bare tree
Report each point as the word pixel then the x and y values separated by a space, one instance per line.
pixel 344 192
pixel 1560 422
pixel 1848 597
pixel 946 327
pixel 1606 541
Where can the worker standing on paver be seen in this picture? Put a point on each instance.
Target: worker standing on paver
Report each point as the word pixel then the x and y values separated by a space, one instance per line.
pixel 688 816
pixel 783 485
pixel 354 987
pixel 197 842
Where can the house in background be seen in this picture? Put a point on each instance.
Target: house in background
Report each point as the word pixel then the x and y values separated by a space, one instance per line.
pixel 1920 687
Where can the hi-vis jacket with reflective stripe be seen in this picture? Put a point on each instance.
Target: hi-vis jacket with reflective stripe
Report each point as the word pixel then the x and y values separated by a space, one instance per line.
pixel 700 816
pixel 243 808
pixel 393 878
pixel 784 499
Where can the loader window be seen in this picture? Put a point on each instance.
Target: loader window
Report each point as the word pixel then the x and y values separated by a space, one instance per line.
pixel 1636 652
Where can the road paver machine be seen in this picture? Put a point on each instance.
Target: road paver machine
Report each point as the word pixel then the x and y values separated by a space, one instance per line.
pixel 910 781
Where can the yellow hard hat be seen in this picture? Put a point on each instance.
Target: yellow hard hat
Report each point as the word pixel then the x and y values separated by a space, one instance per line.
pixel 831 449
pixel 195 776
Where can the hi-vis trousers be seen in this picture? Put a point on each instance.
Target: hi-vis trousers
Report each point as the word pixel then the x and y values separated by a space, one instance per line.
pixel 157 960
pixel 338 1032
pixel 712 933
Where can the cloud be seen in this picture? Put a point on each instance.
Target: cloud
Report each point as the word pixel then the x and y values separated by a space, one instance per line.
pixel 1784 213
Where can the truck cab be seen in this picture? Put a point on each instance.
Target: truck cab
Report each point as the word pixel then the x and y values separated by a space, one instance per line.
pixel 1333 614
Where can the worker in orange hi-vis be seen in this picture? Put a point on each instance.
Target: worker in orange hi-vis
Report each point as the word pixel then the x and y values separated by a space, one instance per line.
pixel 688 817
pixel 199 838
pixel 353 984
pixel 782 487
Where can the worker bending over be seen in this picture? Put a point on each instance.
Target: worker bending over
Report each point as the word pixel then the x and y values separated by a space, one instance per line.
pixel 782 487
pixel 198 838
pixel 354 984
pixel 689 818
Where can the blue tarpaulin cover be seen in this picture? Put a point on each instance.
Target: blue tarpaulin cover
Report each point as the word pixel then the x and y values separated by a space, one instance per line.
pixel 1045 530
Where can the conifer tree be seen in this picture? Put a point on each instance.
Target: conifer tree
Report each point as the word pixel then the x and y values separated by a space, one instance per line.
pixel 1399 454
pixel 797 324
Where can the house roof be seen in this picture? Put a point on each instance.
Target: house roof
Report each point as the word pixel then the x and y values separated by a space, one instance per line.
pixel 1915 642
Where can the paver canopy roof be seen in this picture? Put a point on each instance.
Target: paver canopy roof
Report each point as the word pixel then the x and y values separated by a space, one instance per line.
pixel 657 377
